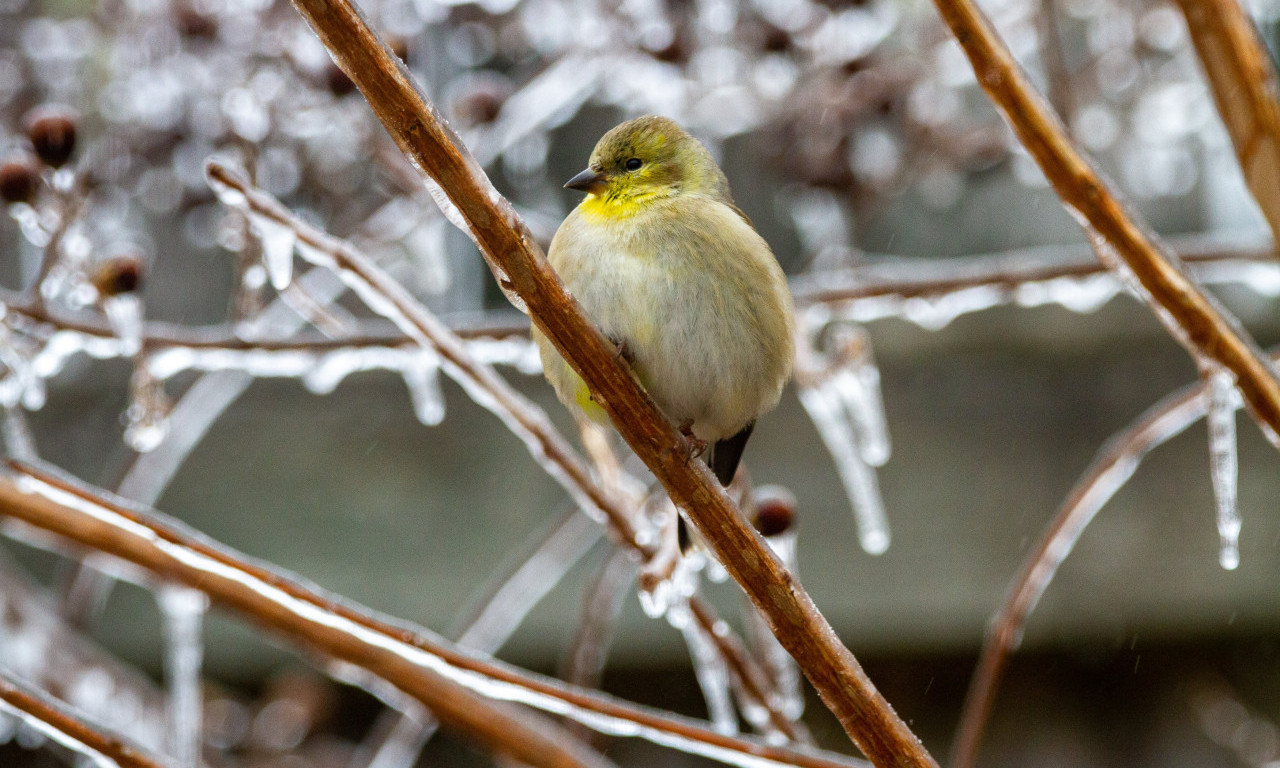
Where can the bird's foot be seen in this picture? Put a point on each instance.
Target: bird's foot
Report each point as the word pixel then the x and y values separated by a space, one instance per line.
pixel 694 445
pixel 622 351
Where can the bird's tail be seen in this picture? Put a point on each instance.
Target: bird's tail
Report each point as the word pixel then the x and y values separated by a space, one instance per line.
pixel 727 454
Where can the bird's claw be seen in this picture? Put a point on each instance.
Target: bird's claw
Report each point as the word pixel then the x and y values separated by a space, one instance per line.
pixel 694 445
pixel 622 351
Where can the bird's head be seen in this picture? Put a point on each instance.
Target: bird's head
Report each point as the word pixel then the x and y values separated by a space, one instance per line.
pixel 648 158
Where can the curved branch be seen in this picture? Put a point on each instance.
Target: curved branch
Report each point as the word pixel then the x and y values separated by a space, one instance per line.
pixel 1193 317
pixel 524 274
pixel 1111 468
pixel 439 674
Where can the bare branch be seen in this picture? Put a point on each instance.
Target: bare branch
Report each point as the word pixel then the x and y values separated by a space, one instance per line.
pixel 1111 468
pixel 70 728
pixel 437 673
pixel 1243 82
pixel 1193 317
pixel 523 272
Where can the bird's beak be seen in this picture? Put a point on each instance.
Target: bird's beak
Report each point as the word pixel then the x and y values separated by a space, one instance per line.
pixel 590 180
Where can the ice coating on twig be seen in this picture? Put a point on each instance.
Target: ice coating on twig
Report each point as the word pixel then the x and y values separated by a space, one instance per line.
pixel 530 582
pixel 549 695
pixel 709 667
pixel 183 610
pixel 774 659
pixel 1223 400
pixel 24 719
pixel 147 417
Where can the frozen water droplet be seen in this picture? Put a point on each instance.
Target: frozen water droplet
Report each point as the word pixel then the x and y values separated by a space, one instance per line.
pixel 124 315
pixel 422 377
pixel 277 250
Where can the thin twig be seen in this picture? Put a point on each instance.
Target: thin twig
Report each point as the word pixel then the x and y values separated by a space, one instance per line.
pixel 1115 462
pixel 530 420
pixel 70 728
pixel 881 277
pixel 1243 81
pixel 411 658
pixel 523 272
pixel 749 675
pixel 1192 316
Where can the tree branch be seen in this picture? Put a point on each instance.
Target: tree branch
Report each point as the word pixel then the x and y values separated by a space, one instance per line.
pixel 1194 318
pixel 437 673
pixel 1243 82
pixel 70 728
pixel 523 272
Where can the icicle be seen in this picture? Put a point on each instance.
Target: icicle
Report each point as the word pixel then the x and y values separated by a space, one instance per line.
pixel 710 668
pixel 124 315
pixel 1223 462
pixel 277 249
pixel 37 230
pixel 826 412
pixel 857 385
pixel 422 377
pixel 147 417
pixel 183 611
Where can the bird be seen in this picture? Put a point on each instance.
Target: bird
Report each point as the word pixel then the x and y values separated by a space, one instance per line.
pixel 674 274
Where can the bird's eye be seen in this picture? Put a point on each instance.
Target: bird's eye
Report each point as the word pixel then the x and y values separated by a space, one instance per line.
pixel 633 164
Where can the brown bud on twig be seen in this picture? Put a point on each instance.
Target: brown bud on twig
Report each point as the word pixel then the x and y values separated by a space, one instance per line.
pixel 121 274
pixel 52 131
pixel 775 510
pixel 19 179
pixel 482 101
pixel 193 24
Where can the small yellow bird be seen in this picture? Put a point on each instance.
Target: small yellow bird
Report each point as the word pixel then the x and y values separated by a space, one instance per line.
pixel 671 271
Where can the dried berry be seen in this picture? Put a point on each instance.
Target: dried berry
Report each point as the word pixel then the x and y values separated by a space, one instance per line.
pixel 121 274
pixel 53 134
pixel 193 24
pixel 775 510
pixel 482 103
pixel 19 179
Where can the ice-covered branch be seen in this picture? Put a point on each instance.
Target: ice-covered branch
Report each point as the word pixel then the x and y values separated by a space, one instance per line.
pixel 1193 317
pixel 438 674
pixel 1111 469
pixel 1243 81
pixel 481 382
pixel 933 291
pixel 471 202
pixel 69 728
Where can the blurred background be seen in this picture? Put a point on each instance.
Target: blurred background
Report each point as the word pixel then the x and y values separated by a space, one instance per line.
pixel 854 135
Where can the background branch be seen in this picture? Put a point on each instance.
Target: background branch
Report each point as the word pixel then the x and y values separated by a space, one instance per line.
pixel 1211 335
pixel 1243 81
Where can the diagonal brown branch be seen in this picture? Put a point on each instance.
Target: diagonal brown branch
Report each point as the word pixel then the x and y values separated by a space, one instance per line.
pixel 412 659
pixel 523 271
pixel 1194 318
pixel 1243 82
pixel 69 727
